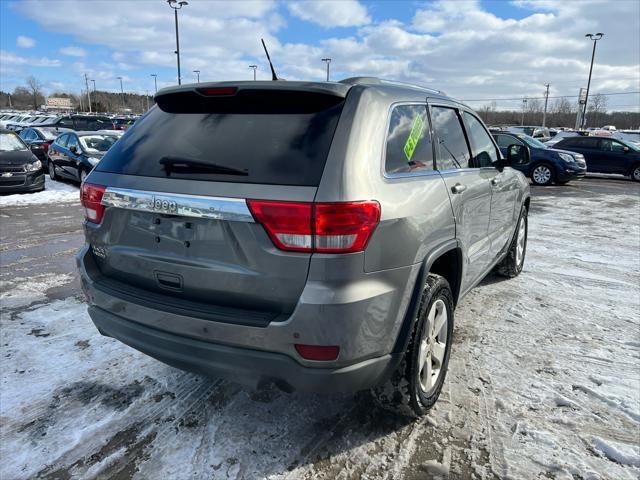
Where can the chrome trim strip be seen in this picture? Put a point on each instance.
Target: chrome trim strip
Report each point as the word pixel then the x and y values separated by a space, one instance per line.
pixel 197 206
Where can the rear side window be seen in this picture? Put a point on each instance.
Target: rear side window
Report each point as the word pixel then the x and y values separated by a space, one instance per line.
pixel 66 122
pixel 483 151
pixel 256 136
pixel 409 148
pixel 451 144
pixel 62 140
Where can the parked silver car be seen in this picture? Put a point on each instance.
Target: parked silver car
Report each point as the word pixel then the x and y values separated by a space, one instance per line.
pixel 313 235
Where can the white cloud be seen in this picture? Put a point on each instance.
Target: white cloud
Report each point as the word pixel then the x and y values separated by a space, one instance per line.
pixel 331 13
pixel 455 46
pixel 73 51
pixel 25 42
pixel 8 58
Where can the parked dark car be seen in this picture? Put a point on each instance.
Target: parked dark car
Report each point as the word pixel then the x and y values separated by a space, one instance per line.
pixel 123 123
pixel 606 155
pixel 39 139
pixel 73 155
pixel 20 170
pixel 82 123
pixel 547 165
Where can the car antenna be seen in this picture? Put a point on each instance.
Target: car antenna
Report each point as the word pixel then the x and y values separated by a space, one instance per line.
pixel 273 72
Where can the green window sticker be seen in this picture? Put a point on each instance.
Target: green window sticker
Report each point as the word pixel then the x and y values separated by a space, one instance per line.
pixel 414 136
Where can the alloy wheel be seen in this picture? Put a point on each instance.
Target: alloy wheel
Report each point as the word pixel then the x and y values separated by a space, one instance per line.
pixel 520 242
pixel 636 174
pixel 433 346
pixel 541 174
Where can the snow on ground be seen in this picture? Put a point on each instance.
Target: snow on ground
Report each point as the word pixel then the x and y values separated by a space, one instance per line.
pixel 54 191
pixel 544 382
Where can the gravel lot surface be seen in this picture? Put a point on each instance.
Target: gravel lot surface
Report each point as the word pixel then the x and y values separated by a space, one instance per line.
pixel 544 378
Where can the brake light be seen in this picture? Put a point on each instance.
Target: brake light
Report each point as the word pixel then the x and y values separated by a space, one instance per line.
pixel 91 198
pixel 343 227
pixel 217 91
pixel 45 146
pixel 318 352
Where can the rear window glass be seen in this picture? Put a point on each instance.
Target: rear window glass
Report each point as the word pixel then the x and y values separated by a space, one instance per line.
pixel 409 148
pixel 271 137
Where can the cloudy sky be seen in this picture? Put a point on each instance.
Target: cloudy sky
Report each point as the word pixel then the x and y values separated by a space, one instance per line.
pixel 473 49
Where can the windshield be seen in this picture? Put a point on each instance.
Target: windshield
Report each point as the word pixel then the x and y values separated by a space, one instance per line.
pixel 530 141
pixel 48 133
pixel 11 143
pixel 97 143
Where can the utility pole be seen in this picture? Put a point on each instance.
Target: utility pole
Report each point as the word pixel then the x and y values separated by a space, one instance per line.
pixel 10 106
pixel 176 5
pixel 197 72
pixel 147 100
pixel 595 39
pixel 546 99
pixel 86 82
pixel 524 106
pixel 254 68
pixel 155 81
pixel 328 61
pixel 122 93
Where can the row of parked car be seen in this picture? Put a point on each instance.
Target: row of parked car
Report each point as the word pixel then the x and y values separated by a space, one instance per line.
pixel 569 155
pixel 85 122
pixel 66 153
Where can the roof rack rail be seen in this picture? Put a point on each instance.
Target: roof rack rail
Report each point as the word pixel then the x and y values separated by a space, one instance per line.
pixel 376 80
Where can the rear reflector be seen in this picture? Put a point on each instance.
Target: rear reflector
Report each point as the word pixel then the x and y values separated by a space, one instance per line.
pixel 317 227
pixel 318 352
pixel 91 198
pixel 217 92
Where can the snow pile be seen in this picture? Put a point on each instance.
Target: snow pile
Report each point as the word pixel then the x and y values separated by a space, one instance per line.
pixel 20 291
pixel 54 192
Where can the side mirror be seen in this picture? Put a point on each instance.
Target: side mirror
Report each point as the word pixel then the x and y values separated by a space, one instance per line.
pixel 517 155
pixel 625 149
pixel 73 148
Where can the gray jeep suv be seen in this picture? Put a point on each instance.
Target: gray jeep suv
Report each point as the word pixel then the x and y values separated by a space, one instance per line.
pixel 312 235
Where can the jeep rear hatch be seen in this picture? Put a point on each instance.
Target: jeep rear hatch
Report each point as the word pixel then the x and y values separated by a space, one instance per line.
pixel 175 219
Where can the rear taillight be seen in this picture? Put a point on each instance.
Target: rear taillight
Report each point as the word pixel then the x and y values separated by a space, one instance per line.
pixel 45 146
pixel 317 227
pixel 91 198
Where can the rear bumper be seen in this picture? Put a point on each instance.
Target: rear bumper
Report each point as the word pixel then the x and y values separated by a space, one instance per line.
pixel 250 367
pixel 363 317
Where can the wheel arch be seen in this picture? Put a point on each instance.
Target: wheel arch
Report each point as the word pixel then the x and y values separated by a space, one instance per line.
pixel 445 261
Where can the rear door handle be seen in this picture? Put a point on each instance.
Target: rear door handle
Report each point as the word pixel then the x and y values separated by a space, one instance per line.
pixel 458 188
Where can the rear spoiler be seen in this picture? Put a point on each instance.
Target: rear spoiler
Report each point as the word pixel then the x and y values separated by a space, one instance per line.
pixel 251 97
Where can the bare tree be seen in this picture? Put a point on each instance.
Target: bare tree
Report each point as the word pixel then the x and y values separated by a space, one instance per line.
pixel 35 89
pixel 597 107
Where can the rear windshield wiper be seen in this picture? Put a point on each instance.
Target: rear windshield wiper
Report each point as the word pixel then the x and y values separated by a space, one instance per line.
pixel 185 165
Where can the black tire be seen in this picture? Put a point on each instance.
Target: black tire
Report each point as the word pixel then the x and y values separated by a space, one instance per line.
pixel 542 174
pixel 403 393
pixel 52 171
pixel 635 173
pixel 512 264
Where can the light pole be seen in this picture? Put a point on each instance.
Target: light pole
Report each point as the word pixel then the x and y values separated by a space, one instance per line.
pixel 595 39
pixel 254 68
pixel 546 100
pixel 524 106
pixel 155 81
pixel 197 72
pixel 328 60
pixel 176 5
pixel 122 93
pixel 95 97
pixel 86 82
